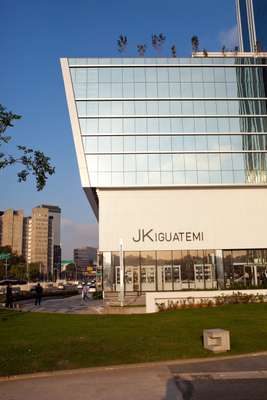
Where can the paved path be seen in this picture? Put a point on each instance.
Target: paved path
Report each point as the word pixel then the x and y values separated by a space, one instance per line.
pixel 242 378
pixel 65 305
pixel 75 305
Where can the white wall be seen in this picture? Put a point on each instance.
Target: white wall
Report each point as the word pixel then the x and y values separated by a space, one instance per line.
pixel 230 218
pixel 154 298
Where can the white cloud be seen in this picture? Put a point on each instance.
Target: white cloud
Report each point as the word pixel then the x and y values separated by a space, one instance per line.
pixel 229 38
pixel 75 235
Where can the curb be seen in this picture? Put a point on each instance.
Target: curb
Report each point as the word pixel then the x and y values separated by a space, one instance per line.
pixel 119 367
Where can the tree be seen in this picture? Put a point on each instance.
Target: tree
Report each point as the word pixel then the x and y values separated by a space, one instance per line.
pixel 195 43
pixel 173 50
pixel 18 272
pixel 122 43
pixel 34 162
pixel 158 41
pixel 34 271
pixel 141 49
pixel 14 259
pixel 71 271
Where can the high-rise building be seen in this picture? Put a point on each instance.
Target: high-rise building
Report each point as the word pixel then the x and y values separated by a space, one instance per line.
pixel 172 157
pixel 37 237
pixel 27 238
pixel 12 229
pixel 252 24
pixel 84 256
pixel 44 237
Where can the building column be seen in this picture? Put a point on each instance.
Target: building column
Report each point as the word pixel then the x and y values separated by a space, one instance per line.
pixel 219 268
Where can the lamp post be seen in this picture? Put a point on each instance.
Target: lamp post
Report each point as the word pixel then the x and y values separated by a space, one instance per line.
pixel 121 274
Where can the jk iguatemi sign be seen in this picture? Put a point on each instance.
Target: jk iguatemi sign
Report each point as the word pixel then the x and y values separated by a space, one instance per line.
pixel 152 236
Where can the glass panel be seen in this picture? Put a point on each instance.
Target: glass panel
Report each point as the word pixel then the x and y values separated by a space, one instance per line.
pixel 90 144
pixel 148 270
pixel 141 162
pixel 154 162
pixel 129 143
pixel 141 143
pixel 129 162
pixel 117 144
pixel 132 271
pixel 117 162
pixel 104 144
pixel 104 163
pixel 153 143
pixel 165 143
pixel 164 270
pixel 92 162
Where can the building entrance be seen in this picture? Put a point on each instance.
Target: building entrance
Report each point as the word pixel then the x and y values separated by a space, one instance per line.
pixel 165 277
pixel 204 275
pixel 132 279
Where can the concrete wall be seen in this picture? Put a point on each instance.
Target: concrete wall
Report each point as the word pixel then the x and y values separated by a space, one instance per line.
pixel 226 218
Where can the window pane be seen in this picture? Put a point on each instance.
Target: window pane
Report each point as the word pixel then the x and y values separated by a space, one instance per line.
pixel 117 162
pixel 117 144
pixel 129 162
pixel 129 143
pixel 177 143
pixel 165 143
pixel 153 143
pixel 190 162
pixel 154 162
pixel 189 143
pixel 104 144
pixel 104 163
pixel 166 162
pixel 104 108
pixel 141 143
pixel 178 162
pixel 90 144
pixel 92 162
pixel 141 162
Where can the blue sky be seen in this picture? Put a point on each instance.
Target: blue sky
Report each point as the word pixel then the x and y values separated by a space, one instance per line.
pixel 35 34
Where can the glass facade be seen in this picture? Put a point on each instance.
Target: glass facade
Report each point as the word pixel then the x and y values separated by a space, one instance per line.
pixel 184 270
pixel 153 122
pixel 260 18
pixel 252 17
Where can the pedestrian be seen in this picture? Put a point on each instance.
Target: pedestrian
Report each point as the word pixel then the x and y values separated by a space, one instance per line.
pixel 84 293
pixel 38 294
pixel 9 296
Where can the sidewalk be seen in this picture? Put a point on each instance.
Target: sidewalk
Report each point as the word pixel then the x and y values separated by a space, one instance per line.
pixel 231 378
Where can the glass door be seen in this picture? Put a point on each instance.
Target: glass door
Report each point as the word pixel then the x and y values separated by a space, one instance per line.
pixel 129 279
pixel 136 279
pixel 165 277
pixel 117 279
pixel 204 276
pixel 177 283
pixel 148 278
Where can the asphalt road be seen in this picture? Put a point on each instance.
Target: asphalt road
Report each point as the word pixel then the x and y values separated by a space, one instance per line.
pixel 243 378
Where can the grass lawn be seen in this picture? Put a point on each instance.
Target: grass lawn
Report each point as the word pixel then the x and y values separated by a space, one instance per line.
pixel 32 342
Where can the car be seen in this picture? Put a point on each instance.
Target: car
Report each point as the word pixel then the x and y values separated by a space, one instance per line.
pixel 92 288
pixel 61 286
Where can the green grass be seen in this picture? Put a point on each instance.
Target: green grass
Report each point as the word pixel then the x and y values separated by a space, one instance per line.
pixel 32 342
